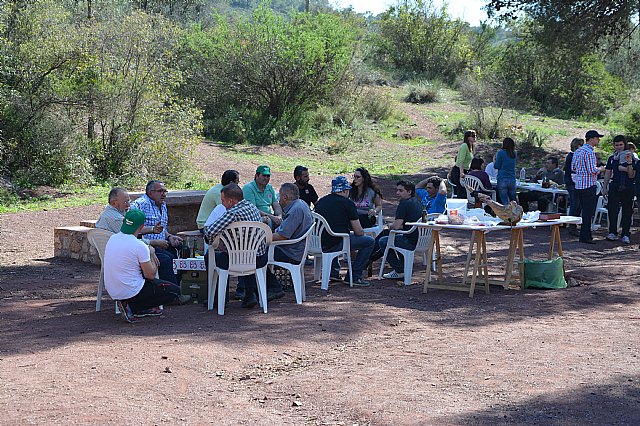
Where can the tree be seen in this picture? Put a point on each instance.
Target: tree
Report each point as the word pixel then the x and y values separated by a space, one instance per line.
pixel 423 42
pixel 578 24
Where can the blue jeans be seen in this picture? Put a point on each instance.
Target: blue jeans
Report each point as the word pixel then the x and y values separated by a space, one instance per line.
pixel 165 270
pixel 507 190
pixel 401 241
pixel 364 246
pixel 575 209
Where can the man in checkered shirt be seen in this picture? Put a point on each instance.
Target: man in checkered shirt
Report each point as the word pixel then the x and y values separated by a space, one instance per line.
pixel 238 209
pixel 152 203
pixel 585 175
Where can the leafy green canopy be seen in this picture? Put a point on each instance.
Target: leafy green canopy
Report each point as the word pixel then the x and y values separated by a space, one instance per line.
pixel 256 79
pixel 423 42
pixel 580 24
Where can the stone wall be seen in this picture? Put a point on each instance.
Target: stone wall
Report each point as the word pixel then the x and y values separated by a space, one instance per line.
pixel 72 242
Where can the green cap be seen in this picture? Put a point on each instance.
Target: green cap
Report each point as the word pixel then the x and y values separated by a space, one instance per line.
pixel 132 221
pixel 264 170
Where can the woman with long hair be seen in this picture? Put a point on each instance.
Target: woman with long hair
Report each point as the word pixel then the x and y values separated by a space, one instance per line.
pixel 506 165
pixel 463 162
pixel 367 196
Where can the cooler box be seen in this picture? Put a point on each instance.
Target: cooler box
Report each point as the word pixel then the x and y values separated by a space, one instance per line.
pixel 194 283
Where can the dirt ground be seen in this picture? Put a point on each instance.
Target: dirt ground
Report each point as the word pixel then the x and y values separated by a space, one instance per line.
pixel 382 355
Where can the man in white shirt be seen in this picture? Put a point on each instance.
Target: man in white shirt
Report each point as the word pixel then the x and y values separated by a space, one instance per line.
pixel 130 268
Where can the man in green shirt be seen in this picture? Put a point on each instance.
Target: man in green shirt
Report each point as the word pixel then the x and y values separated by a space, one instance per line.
pixel 212 197
pixel 260 193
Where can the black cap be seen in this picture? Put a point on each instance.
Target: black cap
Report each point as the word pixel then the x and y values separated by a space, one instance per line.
pixel 592 134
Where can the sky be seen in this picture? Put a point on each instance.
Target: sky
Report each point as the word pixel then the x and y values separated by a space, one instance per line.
pixel 467 10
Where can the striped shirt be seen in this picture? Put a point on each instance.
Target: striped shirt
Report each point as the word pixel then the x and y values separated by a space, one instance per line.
pixel 243 211
pixel 583 166
pixel 154 215
pixel 110 219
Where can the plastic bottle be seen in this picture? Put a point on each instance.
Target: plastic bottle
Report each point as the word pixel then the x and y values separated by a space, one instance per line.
pixel 523 174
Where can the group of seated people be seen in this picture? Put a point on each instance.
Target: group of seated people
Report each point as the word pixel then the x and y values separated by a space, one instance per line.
pixel 144 247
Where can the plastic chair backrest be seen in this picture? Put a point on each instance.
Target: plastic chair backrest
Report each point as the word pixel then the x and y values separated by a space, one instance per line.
pixel 242 240
pixel 98 238
pixel 315 238
pixel 472 184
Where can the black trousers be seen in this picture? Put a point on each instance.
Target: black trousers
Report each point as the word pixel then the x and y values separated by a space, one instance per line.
pixel 616 200
pixel 460 190
pixel 154 293
pixel 588 200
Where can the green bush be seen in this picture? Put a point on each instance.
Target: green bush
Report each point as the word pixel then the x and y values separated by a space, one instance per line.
pixel 375 105
pixel 423 93
pixel 268 71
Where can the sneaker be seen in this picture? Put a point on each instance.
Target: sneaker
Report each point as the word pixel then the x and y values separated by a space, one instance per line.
pixel 273 295
pixel 359 282
pixel 153 312
pixel 625 240
pixel 612 237
pixel 125 311
pixel 250 302
pixel 183 299
pixel 335 278
pixel 393 275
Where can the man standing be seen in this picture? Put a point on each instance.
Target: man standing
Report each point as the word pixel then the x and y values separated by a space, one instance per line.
pixel 297 219
pixel 152 203
pixel 260 192
pixel 342 216
pixel 238 209
pixel 307 191
pixel 212 198
pixel 130 269
pixel 550 172
pixel 585 176
pixel 619 186
pixel 432 193
pixel 409 210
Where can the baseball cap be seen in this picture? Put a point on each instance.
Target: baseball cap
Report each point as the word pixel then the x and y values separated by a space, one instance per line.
pixel 132 221
pixel 339 184
pixel 264 170
pixel 592 134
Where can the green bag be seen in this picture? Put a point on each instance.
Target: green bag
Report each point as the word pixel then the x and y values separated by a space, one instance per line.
pixel 544 273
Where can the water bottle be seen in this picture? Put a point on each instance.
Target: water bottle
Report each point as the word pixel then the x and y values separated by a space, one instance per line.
pixel 523 174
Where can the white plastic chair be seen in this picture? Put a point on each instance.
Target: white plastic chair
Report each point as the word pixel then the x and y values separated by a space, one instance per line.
pixel 98 238
pixel 472 184
pixel 296 270
pixel 374 231
pixel 422 248
pixel 242 241
pixel 321 260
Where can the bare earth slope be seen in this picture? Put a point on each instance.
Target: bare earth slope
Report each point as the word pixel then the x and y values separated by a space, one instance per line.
pixel 350 356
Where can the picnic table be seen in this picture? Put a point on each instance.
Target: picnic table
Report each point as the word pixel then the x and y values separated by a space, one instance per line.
pixel 477 257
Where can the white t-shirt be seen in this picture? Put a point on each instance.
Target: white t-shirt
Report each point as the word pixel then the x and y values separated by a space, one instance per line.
pixel 216 214
pixel 123 255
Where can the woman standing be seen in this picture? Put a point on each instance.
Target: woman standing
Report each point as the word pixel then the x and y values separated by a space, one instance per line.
pixel 367 197
pixel 463 162
pixel 574 202
pixel 506 166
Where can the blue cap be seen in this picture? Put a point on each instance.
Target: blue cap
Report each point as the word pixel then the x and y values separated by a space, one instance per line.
pixel 339 184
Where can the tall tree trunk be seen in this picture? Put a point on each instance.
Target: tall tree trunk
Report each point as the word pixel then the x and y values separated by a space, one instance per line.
pixel 307 5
